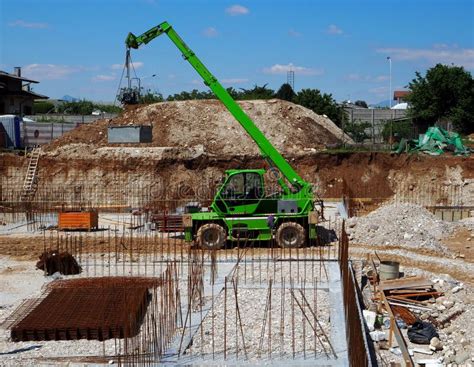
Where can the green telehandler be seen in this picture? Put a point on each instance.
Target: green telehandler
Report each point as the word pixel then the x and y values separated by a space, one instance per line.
pixel 242 208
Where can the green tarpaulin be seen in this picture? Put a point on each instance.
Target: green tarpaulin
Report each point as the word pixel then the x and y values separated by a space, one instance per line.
pixel 435 142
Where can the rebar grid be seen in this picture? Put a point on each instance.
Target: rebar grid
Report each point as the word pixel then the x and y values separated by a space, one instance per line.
pixel 202 303
pixel 85 309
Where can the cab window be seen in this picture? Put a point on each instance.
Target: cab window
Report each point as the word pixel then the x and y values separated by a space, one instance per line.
pixel 243 187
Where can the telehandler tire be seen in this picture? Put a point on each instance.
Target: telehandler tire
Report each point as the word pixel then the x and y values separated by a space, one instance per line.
pixel 211 236
pixel 290 235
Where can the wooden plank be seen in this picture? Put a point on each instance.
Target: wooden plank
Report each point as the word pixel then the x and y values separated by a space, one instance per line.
pixel 420 294
pixel 402 299
pixel 412 282
pixel 403 291
pixel 398 335
pixel 410 306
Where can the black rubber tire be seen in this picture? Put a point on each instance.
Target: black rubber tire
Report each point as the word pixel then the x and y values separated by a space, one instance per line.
pixel 290 235
pixel 211 236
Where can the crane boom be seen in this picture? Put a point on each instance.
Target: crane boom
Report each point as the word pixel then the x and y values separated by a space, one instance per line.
pixel 268 151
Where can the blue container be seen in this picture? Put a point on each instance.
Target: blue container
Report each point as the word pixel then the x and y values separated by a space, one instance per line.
pixel 10 127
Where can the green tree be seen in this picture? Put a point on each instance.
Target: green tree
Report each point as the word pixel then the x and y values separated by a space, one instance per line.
pixel 235 94
pixel 322 104
pixel 356 130
pixel 77 108
pixel 257 92
pixel 43 107
pixel 398 130
pixel 286 93
pixel 445 92
pixel 194 94
pixel 150 97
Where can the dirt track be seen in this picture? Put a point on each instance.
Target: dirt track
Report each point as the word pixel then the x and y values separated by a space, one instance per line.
pixel 29 248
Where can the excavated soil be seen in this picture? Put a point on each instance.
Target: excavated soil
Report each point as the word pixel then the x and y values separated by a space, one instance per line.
pixel 443 180
pixel 291 128
pixel 194 142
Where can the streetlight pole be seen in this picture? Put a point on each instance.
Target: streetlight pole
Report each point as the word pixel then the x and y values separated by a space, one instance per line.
pixel 390 101
pixel 390 90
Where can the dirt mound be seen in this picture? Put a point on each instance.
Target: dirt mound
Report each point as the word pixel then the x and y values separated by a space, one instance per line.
pixel 293 129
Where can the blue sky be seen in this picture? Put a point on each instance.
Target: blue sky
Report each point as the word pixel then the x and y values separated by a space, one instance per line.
pixel 340 47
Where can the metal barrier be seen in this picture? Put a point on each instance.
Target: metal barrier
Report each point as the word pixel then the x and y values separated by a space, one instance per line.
pixel 360 349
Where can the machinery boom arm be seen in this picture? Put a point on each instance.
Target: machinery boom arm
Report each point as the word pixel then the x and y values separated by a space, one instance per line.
pixel 267 149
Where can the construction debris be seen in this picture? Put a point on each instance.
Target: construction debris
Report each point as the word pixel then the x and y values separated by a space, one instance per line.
pixel 422 333
pixel 435 141
pixel 53 261
pixel 428 307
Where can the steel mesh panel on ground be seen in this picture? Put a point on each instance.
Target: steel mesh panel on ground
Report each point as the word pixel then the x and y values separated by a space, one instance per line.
pixel 101 308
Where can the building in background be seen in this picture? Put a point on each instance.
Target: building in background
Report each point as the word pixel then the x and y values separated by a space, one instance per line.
pixel 16 95
pixel 400 96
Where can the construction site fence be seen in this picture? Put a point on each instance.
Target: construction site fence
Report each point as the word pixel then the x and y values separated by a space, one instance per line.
pixel 360 348
pixel 82 119
pixel 381 124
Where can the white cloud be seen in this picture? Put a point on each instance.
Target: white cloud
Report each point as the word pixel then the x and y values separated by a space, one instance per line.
pixel 49 71
pixel 334 29
pixel 104 78
pixel 210 32
pixel 136 65
pixel 300 70
pixel 24 24
pixel 234 81
pixel 293 33
pixel 235 10
pixel 438 54
pixel 366 78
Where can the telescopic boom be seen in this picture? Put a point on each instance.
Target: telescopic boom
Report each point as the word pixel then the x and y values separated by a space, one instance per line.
pixel 267 149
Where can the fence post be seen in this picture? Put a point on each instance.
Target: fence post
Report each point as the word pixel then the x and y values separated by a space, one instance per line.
pixel 373 126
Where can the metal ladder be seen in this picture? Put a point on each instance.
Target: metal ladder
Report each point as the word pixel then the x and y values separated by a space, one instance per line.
pixel 31 180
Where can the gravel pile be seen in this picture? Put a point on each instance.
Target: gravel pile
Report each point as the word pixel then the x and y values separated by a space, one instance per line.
pixel 405 225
